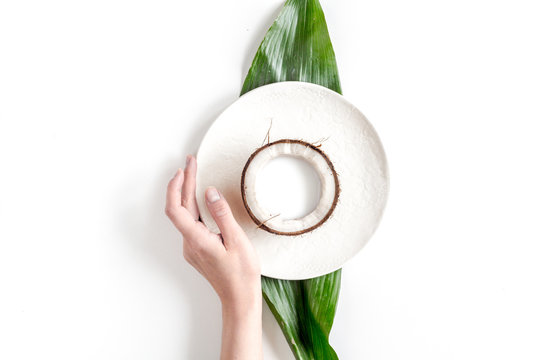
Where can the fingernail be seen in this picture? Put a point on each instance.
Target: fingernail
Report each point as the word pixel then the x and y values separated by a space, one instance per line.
pixel 188 160
pixel 212 195
pixel 177 172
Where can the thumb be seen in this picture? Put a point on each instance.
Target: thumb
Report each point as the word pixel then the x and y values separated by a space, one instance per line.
pixel 221 212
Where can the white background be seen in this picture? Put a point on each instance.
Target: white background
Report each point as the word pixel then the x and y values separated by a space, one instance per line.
pixel 101 100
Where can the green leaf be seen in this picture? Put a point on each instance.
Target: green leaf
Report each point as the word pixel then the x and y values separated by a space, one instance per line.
pixel 298 48
pixel 305 312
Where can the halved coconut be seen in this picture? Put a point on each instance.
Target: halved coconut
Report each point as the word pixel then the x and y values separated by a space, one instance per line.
pixel 274 223
pixel 299 115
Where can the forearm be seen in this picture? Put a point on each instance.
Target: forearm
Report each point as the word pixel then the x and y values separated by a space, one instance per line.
pixel 242 330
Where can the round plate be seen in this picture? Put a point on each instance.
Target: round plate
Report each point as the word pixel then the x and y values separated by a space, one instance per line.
pixel 317 115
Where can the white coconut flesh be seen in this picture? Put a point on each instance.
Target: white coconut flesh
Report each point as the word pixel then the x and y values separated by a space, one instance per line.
pixel 315 115
pixel 273 222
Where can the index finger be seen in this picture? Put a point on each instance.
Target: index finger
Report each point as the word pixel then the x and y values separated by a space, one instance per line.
pixel 178 214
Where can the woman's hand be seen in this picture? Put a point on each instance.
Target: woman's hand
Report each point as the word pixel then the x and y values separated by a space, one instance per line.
pixel 227 260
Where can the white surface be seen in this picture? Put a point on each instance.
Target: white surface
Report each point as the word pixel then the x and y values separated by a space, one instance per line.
pixel 94 122
pixel 310 113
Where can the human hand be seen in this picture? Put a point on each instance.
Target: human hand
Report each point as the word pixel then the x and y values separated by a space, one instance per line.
pixel 227 260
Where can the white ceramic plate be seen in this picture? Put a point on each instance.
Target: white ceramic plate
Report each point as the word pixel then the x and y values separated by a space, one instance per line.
pixel 311 113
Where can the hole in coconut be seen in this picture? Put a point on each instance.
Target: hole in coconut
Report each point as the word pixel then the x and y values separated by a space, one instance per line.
pixel 289 186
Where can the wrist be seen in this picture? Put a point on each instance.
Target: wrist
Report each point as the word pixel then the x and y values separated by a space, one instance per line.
pixel 242 305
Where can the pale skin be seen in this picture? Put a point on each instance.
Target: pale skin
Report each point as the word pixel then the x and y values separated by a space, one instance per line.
pixel 227 260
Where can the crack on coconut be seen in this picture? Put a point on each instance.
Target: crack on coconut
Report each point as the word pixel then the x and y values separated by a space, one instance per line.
pixel 270 218
pixel 317 148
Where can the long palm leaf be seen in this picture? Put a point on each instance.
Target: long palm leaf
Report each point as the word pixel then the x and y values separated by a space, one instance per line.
pixel 298 48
